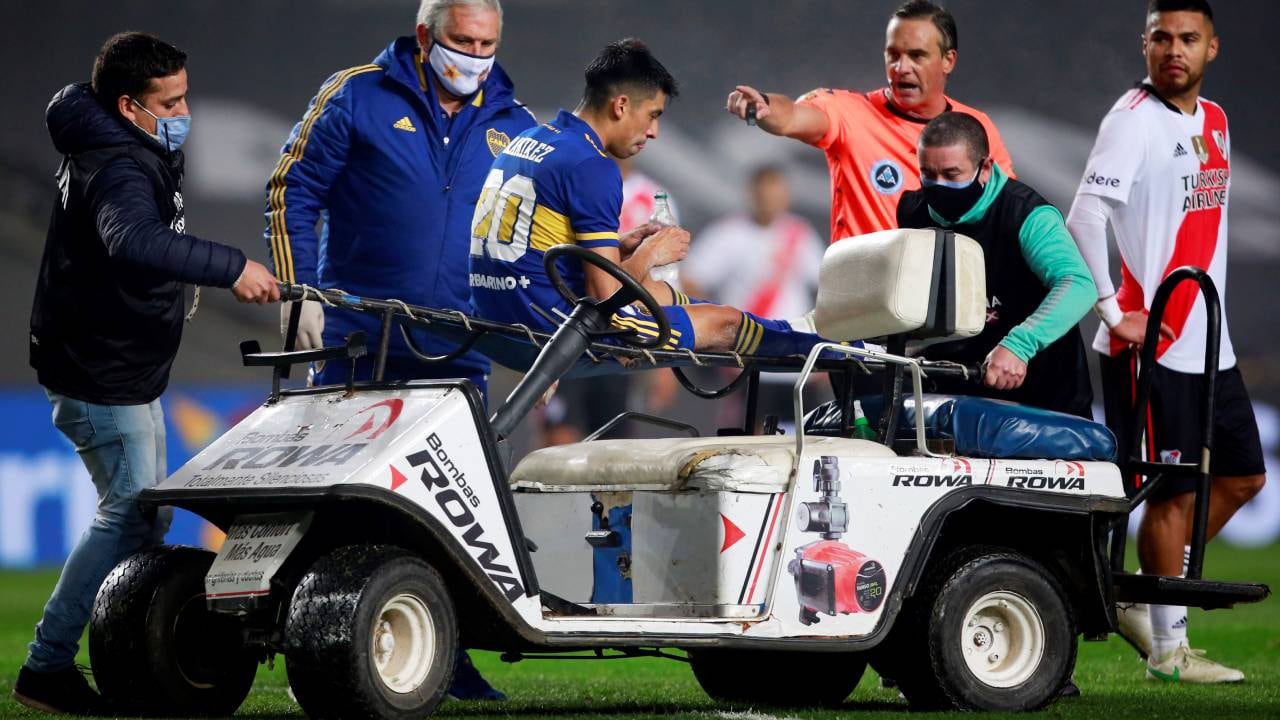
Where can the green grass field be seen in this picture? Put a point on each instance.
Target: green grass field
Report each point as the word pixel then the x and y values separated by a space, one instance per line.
pixel 1109 673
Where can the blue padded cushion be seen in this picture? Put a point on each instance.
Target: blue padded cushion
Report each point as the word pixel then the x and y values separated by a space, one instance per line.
pixel 987 428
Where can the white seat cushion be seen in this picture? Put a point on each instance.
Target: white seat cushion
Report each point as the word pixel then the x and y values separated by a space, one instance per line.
pixel 741 464
pixel 879 284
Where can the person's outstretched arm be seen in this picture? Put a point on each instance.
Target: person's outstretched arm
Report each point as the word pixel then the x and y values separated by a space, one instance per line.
pixel 780 115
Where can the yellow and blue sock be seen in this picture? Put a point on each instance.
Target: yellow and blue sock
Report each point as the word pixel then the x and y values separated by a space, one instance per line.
pixel 679 298
pixel 772 338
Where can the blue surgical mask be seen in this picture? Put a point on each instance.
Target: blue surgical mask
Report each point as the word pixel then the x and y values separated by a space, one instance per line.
pixel 171 132
pixel 953 184
pixel 951 199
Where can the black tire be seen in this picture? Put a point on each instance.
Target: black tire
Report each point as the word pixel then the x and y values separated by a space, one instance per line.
pixel 1031 594
pixel 777 678
pixel 901 657
pixel 332 624
pixel 931 624
pixel 154 646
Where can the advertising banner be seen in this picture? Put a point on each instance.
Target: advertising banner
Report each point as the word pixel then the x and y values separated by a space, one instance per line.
pixel 46 497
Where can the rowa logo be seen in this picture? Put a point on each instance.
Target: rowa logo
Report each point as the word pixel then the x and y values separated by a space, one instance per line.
pixel 448 483
pixel 1067 475
pixel 283 456
pixel 955 472
pixel 1068 468
pixel 272 453
pixel 371 429
pixel 953 480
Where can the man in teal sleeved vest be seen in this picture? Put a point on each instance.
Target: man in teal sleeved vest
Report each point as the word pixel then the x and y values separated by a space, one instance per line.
pixel 1038 285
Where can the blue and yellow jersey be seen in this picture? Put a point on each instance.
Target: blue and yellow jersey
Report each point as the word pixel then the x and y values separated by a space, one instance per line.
pixel 552 185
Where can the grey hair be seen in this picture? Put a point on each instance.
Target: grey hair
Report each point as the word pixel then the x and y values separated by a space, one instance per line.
pixel 433 13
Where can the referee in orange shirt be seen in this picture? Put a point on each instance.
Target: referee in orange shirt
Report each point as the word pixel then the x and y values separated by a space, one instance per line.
pixel 870 138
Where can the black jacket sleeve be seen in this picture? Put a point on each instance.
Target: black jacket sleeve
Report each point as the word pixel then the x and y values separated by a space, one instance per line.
pixel 122 201
pixel 906 205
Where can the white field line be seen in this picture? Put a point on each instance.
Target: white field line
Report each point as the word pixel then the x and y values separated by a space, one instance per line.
pixel 748 715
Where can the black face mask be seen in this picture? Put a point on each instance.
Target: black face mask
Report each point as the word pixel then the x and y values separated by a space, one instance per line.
pixel 951 200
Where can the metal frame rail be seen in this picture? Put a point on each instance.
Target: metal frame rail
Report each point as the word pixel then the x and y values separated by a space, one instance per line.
pixel 629 357
pixel 1156 472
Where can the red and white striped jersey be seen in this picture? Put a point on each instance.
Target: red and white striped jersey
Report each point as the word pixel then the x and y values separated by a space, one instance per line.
pixel 1170 173
pixel 638 190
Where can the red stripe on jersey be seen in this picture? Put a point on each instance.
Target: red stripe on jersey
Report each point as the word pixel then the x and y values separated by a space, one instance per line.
pixel 1215 106
pixel 636 210
pixel 1139 96
pixel 1197 237
pixel 1129 297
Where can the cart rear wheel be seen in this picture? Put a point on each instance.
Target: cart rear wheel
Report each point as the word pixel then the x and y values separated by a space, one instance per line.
pixel 990 629
pixel 1003 639
pixel 1001 635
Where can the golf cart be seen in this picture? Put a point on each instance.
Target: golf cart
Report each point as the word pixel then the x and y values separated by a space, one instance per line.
pixel 374 528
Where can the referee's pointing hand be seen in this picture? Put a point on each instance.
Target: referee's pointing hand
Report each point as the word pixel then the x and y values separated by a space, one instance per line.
pixel 744 95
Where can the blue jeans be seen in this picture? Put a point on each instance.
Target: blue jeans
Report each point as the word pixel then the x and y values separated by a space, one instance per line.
pixel 123 448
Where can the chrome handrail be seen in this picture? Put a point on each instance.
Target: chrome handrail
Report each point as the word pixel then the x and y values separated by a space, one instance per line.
pixel 917 374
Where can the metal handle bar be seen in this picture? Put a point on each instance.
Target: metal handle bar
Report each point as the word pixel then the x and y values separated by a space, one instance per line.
pixel 422 355
pixel 912 364
pixel 701 392
pixel 642 417
pixel 1213 334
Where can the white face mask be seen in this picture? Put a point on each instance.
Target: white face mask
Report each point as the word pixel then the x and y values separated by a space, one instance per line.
pixel 460 73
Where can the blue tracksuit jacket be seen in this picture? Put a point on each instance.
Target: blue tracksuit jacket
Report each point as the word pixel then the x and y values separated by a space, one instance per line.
pixel 391 182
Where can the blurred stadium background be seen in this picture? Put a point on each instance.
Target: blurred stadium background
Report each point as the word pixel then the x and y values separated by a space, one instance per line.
pixel 1046 72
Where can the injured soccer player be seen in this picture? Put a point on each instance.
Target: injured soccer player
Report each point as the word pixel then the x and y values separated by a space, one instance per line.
pixel 558 183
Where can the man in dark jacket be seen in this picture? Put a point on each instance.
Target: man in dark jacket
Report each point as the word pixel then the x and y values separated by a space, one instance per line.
pixel 107 320
pixel 1038 286
pixel 389 161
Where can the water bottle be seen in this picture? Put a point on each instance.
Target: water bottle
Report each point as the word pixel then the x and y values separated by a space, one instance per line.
pixel 662 215
pixel 861 428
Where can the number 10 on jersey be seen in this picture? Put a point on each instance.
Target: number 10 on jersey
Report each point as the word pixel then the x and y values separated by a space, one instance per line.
pixel 503 218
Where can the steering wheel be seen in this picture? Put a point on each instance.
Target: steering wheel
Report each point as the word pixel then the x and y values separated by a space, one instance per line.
pixel 631 291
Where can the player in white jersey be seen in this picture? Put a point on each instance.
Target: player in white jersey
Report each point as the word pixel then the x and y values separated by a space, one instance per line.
pixel 1160 172
pixel 767 259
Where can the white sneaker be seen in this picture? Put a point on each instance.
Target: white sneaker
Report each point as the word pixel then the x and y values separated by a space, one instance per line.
pixel 1191 666
pixel 1133 621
